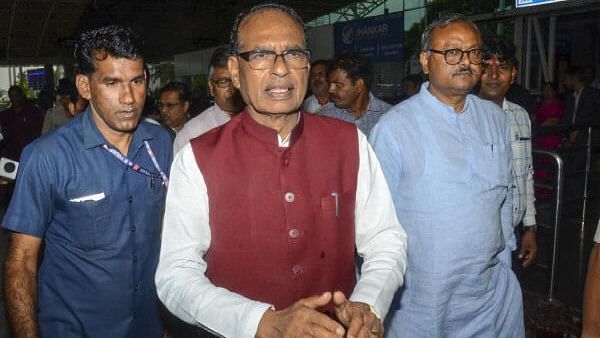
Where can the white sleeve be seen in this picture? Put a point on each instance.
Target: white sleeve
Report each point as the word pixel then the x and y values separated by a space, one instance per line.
pixel 380 239
pixel 180 277
pixel 597 235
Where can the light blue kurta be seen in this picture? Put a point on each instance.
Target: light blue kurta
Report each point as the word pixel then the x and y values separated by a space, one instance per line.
pixel 449 175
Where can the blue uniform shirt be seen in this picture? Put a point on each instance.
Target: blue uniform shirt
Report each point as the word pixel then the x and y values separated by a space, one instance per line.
pixel 365 123
pixel 100 222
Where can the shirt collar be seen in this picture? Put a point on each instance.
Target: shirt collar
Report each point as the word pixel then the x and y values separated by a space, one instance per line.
pixel 505 105
pixel 93 138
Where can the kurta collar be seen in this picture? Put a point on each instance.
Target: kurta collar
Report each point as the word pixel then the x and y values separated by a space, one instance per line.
pixel 267 135
pixel 448 111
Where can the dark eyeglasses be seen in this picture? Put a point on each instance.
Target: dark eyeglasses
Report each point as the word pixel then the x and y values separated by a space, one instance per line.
pixel 264 59
pixel 453 56
pixel 221 82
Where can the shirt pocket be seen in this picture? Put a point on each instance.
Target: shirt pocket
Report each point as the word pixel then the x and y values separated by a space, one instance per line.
pixel 338 208
pixel 90 221
pixel 154 200
pixel 490 163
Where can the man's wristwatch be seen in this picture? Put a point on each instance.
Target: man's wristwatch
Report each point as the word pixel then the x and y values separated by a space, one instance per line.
pixel 530 228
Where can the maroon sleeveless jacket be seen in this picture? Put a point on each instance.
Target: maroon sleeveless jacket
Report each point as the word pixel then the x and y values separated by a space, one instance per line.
pixel 281 219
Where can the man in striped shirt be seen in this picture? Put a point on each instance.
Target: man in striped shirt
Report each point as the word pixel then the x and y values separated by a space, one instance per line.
pixel 499 72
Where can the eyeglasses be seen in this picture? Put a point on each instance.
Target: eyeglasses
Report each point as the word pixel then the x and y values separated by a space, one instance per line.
pixel 221 82
pixel 454 56
pixel 264 59
pixel 167 106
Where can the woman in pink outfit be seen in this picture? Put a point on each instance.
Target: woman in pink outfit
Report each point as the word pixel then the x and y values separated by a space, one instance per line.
pixel 548 113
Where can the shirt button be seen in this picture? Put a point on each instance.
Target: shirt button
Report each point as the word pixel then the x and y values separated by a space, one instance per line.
pixel 285 161
pixel 137 288
pixel 294 233
pixel 133 228
pixel 289 197
pixel 296 269
pixel 130 199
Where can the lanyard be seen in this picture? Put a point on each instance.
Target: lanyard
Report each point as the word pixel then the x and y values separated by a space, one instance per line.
pixel 138 168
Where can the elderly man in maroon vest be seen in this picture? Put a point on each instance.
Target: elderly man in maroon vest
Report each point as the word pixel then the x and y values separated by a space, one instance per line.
pixel 265 213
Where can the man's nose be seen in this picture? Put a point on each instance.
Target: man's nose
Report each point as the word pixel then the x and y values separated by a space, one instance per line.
pixel 280 67
pixel 492 71
pixel 127 93
pixel 331 88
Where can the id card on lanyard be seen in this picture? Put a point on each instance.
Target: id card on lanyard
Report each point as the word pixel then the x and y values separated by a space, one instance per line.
pixel 138 168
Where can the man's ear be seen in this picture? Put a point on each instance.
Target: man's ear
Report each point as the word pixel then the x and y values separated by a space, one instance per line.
pixel 71 108
pixel 83 86
pixel 211 88
pixel 233 65
pixel 186 106
pixel 360 85
pixel 514 74
pixel 424 60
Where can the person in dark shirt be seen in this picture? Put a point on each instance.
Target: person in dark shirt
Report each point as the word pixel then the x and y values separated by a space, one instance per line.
pixel 92 191
pixel 21 124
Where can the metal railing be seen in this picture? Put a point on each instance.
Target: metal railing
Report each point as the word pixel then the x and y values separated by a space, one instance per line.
pixel 558 202
pixel 586 143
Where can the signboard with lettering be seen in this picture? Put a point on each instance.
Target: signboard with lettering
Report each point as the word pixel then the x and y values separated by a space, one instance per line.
pixel 379 38
pixel 36 78
pixel 527 3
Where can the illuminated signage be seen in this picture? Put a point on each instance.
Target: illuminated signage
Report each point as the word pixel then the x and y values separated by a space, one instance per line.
pixel 527 3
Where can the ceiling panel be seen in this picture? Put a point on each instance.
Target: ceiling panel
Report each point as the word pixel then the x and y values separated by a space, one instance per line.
pixel 43 31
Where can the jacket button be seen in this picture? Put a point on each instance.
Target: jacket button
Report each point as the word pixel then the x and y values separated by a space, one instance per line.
pixel 289 197
pixel 294 233
pixel 296 269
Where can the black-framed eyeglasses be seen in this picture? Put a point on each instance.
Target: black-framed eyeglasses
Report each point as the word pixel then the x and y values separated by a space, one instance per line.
pixel 260 59
pixel 453 56
pixel 221 82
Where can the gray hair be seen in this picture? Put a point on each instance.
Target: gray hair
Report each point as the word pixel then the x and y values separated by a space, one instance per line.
pixel 234 39
pixel 443 21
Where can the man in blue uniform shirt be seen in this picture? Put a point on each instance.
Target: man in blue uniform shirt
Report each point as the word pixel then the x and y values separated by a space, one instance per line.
pixel 92 192
pixel 446 157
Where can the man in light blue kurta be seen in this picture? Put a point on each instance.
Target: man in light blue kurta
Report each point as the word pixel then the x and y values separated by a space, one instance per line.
pixel 446 156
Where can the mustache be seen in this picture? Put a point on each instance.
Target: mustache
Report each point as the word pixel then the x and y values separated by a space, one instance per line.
pixel 465 71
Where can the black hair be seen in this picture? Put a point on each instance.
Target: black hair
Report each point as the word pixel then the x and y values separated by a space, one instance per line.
pixel 234 38
pixel 443 21
pixel 356 66
pixel 179 87
pixel 218 59
pixel 575 73
pixel 323 62
pixel 17 88
pixel 414 78
pixel 97 44
pixel 552 85
pixel 64 86
pixel 502 49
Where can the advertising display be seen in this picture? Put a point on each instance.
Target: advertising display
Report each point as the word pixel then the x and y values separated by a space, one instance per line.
pixel 380 38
